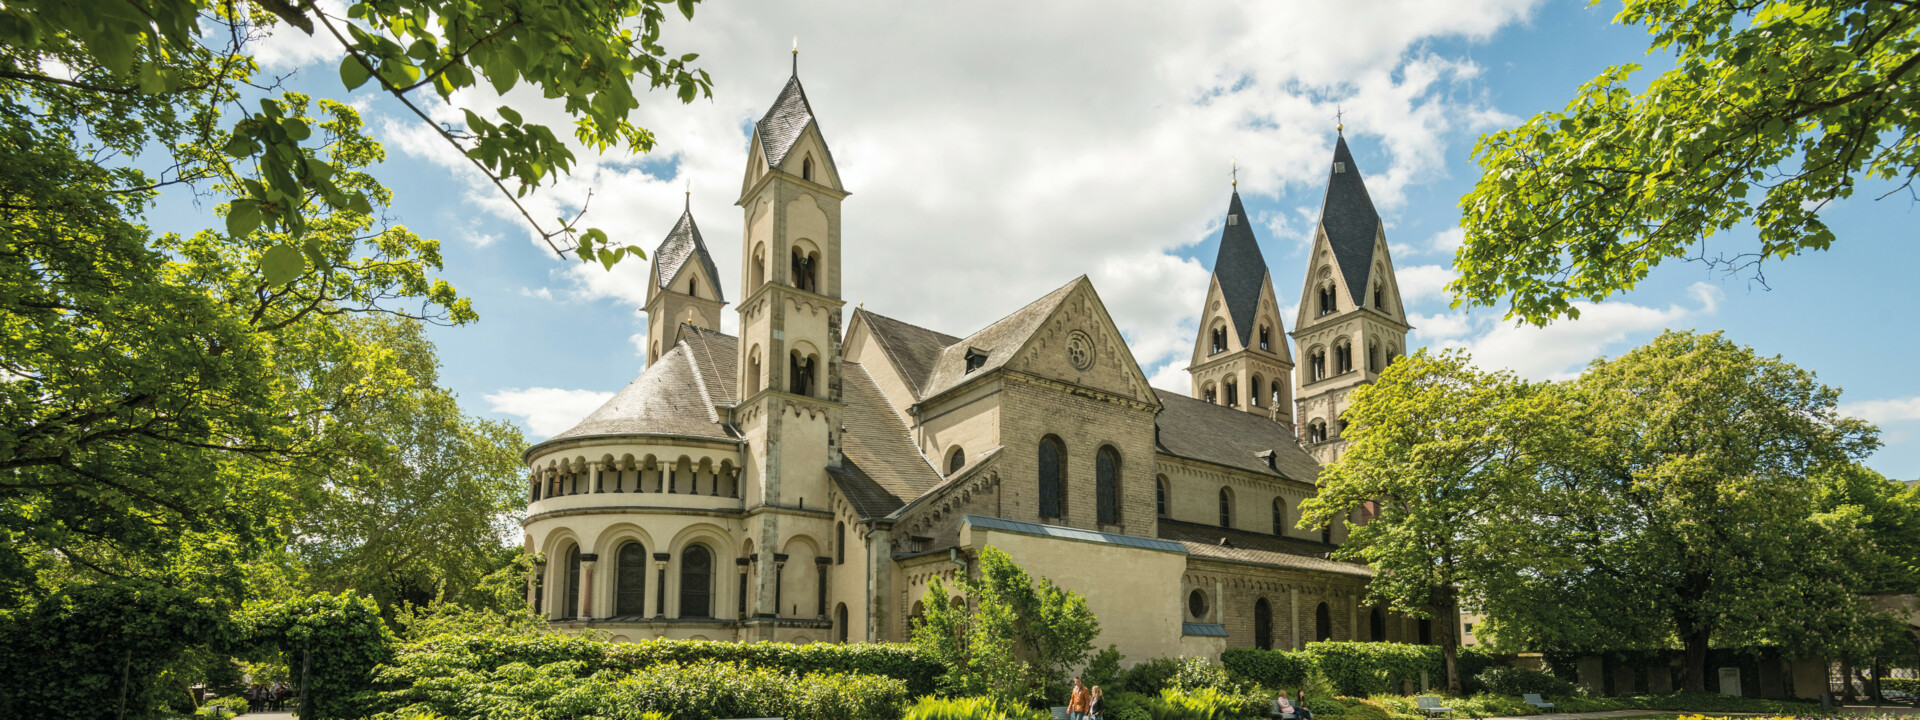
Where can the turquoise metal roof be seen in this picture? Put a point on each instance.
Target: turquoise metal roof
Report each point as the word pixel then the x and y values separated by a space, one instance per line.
pixel 1203 629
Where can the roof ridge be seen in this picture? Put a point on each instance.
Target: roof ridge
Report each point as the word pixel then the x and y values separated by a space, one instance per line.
pixel 1022 309
pixel 698 381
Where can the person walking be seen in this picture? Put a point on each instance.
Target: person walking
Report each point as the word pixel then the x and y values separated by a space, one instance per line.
pixel 1097 707
pixel 1078 702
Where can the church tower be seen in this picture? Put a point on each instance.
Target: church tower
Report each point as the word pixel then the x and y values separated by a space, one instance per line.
pixel 1240 358
pixel 1351 323
pixel 684 287
pixel 789 364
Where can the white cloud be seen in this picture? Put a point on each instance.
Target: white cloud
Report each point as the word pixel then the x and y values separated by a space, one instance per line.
pixel 287 48
pixel 1883 411
pixel 541 293
pixel 1420 283
pixel 639 341
pixel 1447 241
pixel 999 159
pixel 1561 349
pixel 547 411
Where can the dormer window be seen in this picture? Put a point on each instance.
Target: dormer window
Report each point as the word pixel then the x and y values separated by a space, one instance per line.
pixel 1233 219
pixel 976 359
pixel 1269 457
pixel 1339 167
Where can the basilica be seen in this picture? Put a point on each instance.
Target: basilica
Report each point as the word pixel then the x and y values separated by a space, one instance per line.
pixel 805 480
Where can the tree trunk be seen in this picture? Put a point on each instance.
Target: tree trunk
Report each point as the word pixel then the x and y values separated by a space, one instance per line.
pixel 1446 618
pixel 1693 675
pixel 1846 679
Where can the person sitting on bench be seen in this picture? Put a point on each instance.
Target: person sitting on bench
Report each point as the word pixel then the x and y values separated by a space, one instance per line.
pixel 1286 709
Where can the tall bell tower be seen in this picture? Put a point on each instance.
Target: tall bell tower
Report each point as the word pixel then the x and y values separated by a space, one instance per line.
pixel 1351 323
pixel 1240 358
pixel 684 287
pixel 789 386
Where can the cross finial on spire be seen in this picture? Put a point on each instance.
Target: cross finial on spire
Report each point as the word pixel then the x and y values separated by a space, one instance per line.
pixel 1339 122
pixel 689 194
pixel 1236 172
pixel 796 56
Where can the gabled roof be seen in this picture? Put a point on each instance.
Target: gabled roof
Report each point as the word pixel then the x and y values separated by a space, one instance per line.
pixel 780 129
pixel 683 243
pixel 888 470
pixel 1200 430
pixel 1240 269
pixel 716 355
pixel 999 341
pixel 669 398
pixel 1350 221
pixel 912 349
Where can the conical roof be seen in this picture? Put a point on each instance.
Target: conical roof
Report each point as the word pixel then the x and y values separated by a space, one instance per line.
pixel 1240 269
pixel 683 243
pixel 1350 221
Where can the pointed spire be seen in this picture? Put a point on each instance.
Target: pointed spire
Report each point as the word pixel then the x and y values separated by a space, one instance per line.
pixel 1240 269
pixel 1350 221
pixel 683 244
pixel 796 56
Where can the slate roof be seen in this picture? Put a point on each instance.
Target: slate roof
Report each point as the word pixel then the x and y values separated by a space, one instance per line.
pixel 1218 434
pixel 889 470
pixel 1000 341
pixel 717 356
pixel 1350 221
pixel 785 122
pixel 1203 541
pixel 913 349
pixel 1068 533
pixel 1203 629
pixel 683 243
pixel 1240 269
pixel 669 398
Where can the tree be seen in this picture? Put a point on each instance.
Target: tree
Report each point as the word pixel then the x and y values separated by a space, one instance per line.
pixel 1772 112
pixel 1444 451
pixel 1685 507
pixel 1006 616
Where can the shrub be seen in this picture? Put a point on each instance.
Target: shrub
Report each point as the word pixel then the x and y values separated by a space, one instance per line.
pixel 1515 681
pixel 1201 704
pixel 1127 706
pixel 694 691
pixel 1366 668
pixel 1910 686
pixel 1367 710
pixel 970 708
pixel 1104 670
pixel 1267 668
pixel 1196 673
pixel 1323 705
pixel 1149 677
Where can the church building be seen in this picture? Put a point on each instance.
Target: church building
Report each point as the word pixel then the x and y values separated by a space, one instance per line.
pixel 806 479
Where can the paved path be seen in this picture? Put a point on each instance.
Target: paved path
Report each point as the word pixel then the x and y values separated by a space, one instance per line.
pixel 1847 710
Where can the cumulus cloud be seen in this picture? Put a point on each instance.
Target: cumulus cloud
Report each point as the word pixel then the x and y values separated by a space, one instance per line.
pixel 999 159
pixel 1561 349
pixel 547 411
pixel 286 47
pixel 1884 411
pixel 1420 283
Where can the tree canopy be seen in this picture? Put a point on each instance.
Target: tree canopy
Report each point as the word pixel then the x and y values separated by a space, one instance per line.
pixel 1772 113
pixel 1009 636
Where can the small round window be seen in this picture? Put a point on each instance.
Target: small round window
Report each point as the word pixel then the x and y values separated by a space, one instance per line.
pixel 1197 604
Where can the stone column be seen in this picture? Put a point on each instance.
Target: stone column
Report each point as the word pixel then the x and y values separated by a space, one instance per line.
pixel 594 468
pixel 779 572
pixel 660 604
pixel 1293 598
pixel 820 565
pixel 1353 620
pixel 743 564
pixel 586 584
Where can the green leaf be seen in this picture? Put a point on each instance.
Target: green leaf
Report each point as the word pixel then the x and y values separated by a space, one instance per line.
pixel 296 129
pixel 240 146
pixel 243 216
pixel 282 263
pixel 509 114
pixel 310 247
pixel 353 72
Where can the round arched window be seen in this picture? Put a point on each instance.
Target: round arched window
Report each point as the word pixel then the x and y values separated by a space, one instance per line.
pixel 1197 604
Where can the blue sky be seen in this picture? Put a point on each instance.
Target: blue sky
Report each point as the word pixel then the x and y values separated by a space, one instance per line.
pixel 998 150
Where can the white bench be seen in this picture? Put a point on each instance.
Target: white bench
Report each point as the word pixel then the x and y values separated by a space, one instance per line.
pixel 1431 705
pixel 1535 700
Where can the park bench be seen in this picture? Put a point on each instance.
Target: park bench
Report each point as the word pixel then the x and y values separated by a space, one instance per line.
pixel 1431 705
pixel 1535 700
pixel 1274 712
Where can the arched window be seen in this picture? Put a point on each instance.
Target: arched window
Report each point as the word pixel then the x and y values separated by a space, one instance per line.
pixel 573 583
pixel 1323 623
pixel 696 582
pixel 753 370
pixel 1377 626
pixel 759 267
pixel 1343 426
pixel 1197 604
pixel 630 580
pixel 693 287
pixel 1160 496
pixel 1317 431
pixel 1207 394
pixel 800 380
pixel 1233 393
pixel 1253 391
pixel 956 460
pixel 1379 297
pixel 1266 338
pixel 1343 356
pixel 918 614
pixel 1426 631
pixel 1279 516
pixel 840 620
pixel 804 270
pixel 1277 397
pixel 840 544
pixel 1107 485
pixel 1317 364
pixel 806 168
pixel 1262 624
pixel 1373 358
pixel 1327 304
pixel 1226 508
pixel 1053 474
pixel 1219 344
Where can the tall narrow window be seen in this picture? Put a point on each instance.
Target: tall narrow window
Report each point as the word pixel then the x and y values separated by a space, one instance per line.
pixel 1052 476
pixel 840 544
pixel 1219 340
pixel 1208 395
pixel 1426 631
pixel 806 168
pixel 1377 626
pixel 1266 339
pixel 1226 508
pixel 1379 298
pixel 803 270
pixel 1323 623
pixel 1233 394
pixel 573 583
pixel 1326 534
pixel 1262 624
pixel 1327 304
pixel 840 620
pixel 1279 516
pixel 693 287
pixel 1160 496
pixel 799 374
pixel 1276 393
pixel 630 581
pixel 1107 468
pixel 696 582
pixel 540 590
pixel 1317 364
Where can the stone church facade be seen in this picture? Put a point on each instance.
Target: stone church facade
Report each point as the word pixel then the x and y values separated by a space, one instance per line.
pixel 807 479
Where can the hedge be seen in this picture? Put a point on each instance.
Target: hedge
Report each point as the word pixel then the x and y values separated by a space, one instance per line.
pixel 443 654
pixel 1354 668
pixel 692 691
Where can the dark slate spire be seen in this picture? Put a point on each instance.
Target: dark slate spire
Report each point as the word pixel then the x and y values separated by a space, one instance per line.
pixel 681 245
pixel 1350 221
pixel 785 122
pixel 1240 269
